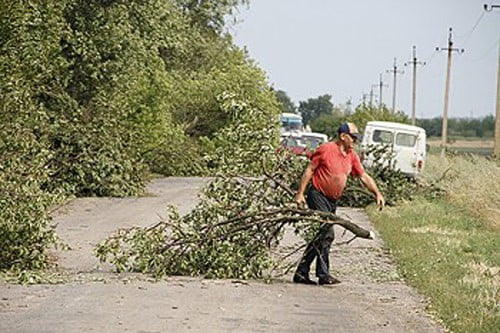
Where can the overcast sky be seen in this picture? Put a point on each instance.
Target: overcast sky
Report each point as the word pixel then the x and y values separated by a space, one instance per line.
pixel 338 47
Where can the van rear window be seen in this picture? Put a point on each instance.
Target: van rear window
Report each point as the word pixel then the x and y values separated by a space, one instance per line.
pixel 406 140
pixel 382 136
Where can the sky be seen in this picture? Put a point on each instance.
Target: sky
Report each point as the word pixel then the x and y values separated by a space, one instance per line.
pixel 310 48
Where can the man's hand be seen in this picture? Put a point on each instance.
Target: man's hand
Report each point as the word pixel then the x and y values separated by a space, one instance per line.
pixel 299 199
pixel 380 200
pixel 370 184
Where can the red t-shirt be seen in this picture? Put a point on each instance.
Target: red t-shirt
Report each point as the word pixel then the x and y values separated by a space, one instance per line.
pixel 331 168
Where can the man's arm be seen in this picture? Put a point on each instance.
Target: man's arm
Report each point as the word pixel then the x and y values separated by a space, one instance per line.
pixel 370 184
pixel 306 177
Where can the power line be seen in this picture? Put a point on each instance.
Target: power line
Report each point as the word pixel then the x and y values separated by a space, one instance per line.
pixel 487 52
pixel 468 34
pixel 429 59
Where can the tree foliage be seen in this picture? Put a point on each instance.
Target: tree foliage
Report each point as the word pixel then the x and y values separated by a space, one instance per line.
pixel 464 127
pixel 395 185
pixel 363 113
pixel 286 104
pixel 27 60
pixel 210 14
pixel 96 94
pixel 314 107
pixel 235 230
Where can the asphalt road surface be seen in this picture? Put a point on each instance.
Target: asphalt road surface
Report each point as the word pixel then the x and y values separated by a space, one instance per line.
pixel 371 297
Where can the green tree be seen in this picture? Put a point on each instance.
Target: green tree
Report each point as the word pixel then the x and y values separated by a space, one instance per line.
pixel 285 101
pixel 95 92
pixel 314 107
pixel 329 123
pixel 433 127
pixel 29 57
pixel 364 113
pixel 208 13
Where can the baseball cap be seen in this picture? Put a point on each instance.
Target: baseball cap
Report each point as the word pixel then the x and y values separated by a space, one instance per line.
pixel 350 129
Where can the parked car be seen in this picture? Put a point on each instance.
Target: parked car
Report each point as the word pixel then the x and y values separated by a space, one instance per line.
pixel 302 143
pixel 313 140
pixel 408 143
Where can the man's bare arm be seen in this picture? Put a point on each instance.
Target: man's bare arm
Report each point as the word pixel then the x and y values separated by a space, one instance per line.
pixel 306 177
pixel 370 184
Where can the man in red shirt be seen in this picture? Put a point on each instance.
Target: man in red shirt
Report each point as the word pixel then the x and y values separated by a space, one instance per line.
pixel 330 165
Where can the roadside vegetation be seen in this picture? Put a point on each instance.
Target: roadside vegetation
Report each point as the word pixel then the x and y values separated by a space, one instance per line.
pixel 447 245
pixel 97 95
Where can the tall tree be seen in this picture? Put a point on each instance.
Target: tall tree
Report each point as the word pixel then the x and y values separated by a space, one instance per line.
pixel 314 107
pixel 209 13
pixel 286 103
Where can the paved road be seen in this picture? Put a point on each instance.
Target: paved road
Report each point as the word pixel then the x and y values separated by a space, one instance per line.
pixel 371 297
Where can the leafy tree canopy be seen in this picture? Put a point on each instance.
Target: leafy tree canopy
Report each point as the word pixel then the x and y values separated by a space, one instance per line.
pixel 314 107
pixel 95 94
pixel 285 101
pixel 329 123
pixel 209 13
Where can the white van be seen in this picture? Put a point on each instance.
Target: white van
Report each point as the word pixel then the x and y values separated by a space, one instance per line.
pixel 407 141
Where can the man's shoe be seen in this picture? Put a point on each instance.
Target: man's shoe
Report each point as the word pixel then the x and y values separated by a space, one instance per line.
pixel 328 280
pixel 297 278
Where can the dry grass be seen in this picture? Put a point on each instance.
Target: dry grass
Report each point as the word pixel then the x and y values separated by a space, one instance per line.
pixel 448 247
pixel 450 257
pixel 471 182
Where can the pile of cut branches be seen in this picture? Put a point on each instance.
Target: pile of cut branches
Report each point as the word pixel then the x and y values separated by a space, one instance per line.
pixel 237 227
pixel 395 185
pixel 232 232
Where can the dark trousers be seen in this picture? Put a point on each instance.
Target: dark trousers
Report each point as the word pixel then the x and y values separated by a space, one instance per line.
pixel 319 247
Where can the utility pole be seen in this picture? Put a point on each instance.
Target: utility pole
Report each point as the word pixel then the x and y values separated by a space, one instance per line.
pixel 496 149
pixel 372 94
pixel 414 62
pixel 364 99
pixel 394 71
pixel 450 49
pixel 381 85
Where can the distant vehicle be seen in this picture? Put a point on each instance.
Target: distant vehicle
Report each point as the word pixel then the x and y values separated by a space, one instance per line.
pixel 302 143
pixel 408 143
pixel 291 122
pixel 312 140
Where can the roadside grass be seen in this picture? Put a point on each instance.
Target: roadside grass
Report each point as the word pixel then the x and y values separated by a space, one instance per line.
pixel 448 256
pixel 448 248
pixel 471 182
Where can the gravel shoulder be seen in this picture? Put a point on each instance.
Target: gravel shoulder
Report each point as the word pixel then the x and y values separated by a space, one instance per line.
pixel 371 297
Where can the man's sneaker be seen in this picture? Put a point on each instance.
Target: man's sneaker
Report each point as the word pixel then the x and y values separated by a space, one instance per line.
pixel 328 280
pixel 297 278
